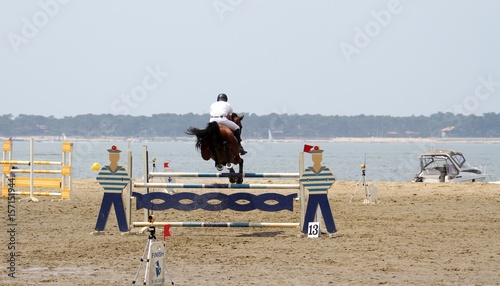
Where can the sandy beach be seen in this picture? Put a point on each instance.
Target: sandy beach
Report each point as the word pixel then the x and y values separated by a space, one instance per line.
pixel 416 234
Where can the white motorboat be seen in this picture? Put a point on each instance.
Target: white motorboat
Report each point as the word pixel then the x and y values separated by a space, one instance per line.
pixel 447 166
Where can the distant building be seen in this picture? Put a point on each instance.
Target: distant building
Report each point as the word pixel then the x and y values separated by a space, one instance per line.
pixel 446 129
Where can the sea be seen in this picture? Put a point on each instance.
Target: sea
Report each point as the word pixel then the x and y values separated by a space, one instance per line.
pixel 384 161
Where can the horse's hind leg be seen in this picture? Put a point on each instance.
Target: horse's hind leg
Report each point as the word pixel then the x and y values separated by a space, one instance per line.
pixel 218 166
pixel 228 157
pixel 240 173
pixel 232 177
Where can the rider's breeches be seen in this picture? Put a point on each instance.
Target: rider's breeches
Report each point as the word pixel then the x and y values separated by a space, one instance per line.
pixel 226 122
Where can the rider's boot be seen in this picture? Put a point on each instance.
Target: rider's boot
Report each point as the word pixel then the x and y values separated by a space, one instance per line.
pixel 237 134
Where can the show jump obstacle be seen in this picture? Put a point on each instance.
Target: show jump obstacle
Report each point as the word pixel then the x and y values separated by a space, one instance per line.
pixel 215 201
pixel 146 200
pixel 57 179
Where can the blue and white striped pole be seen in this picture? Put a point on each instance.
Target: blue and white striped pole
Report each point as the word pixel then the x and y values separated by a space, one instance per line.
pixel 216 186
pixel 223 175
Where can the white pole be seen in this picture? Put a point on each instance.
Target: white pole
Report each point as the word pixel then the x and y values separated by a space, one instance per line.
pixel 63 162
pixel 302 195
pixel 146 175
pixel 32 183
pixel 7 155
pixel 128 193
pixel 70 164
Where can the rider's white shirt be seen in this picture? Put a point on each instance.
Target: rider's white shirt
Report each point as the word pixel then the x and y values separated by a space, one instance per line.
pixel 220 108
pixel 224 109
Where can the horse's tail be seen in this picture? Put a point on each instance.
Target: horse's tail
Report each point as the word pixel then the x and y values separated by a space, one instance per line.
pixel 203 134
pixel 213 128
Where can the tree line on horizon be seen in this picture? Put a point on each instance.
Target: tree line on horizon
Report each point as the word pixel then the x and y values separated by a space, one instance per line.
pixel 280 126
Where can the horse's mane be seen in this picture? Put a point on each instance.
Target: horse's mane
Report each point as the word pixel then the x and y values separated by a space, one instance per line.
pixel 235 116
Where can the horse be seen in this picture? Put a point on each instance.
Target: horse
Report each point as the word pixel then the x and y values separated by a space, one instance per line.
pixel 217 142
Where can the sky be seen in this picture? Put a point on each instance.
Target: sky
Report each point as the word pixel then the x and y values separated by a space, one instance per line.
pixel 397 58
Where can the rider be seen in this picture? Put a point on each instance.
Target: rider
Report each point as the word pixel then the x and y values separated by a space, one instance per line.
pixel 220 111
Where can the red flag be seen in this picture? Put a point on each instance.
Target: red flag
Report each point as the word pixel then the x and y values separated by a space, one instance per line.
pixel 166 231
pixel 312 149
pixel 308 148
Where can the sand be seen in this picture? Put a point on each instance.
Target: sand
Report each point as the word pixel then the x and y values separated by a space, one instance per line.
pixel 416 234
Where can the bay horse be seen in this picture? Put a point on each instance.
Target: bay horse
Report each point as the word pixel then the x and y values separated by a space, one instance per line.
pixel 217 142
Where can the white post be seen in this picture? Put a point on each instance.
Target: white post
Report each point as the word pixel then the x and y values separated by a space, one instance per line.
pixel 302 193
pixel 63 162
pixel 128 193
pixel 7 156
pixel 146 177
pixel 32 183
pixel 70 164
